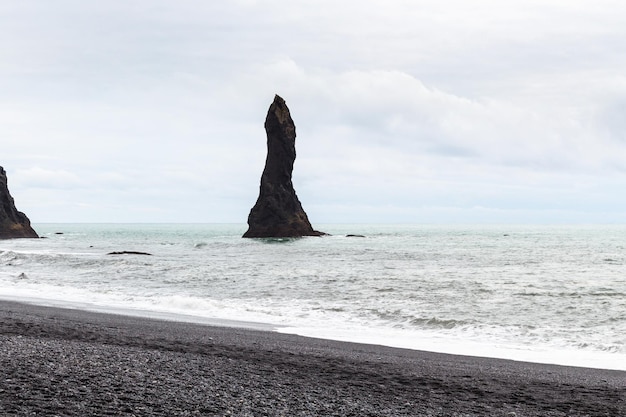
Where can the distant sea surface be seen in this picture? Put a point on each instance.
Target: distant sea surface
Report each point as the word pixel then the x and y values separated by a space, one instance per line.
pixel 552 294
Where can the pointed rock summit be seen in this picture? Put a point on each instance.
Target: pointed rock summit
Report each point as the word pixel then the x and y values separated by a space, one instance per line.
pixel 13 223
pixel 278 212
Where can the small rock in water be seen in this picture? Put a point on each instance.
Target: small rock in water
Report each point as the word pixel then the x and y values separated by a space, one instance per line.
pixel 129 252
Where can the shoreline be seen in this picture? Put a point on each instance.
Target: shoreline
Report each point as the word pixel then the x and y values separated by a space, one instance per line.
pixel 143 313
pixel 567 358
pixel 75 362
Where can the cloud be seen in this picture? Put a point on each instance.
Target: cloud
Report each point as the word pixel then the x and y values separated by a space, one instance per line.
pixel 37 177
pixel 392 109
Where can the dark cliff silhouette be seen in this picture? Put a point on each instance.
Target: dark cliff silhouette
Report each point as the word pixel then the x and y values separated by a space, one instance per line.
pixel 278 212
pixel 13 223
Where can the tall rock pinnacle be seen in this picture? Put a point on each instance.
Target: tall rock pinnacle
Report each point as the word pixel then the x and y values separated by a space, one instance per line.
pixel 13 223
pixel 278 212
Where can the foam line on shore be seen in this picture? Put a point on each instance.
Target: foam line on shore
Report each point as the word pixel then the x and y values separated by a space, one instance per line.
pixel 150 314
pixel 466 348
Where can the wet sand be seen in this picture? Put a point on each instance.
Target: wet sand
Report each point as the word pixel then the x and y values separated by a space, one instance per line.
pixel 67 362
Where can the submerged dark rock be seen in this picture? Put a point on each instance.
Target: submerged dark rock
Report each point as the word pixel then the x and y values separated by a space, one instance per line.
pixel 129 252
pixel 278 212
pixel 13 223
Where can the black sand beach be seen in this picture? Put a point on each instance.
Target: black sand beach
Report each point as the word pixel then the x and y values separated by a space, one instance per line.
pixel 60 362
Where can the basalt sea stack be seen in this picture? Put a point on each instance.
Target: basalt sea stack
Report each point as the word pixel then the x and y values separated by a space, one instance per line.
pixel 278 212
pixel 13 223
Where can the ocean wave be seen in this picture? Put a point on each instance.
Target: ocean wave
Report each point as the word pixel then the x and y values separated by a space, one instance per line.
pixel 436 323
pixel 11 258
pixel 572 294
pixel 401 319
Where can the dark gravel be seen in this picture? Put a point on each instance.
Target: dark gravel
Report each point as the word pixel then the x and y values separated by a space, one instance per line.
pixel 58 362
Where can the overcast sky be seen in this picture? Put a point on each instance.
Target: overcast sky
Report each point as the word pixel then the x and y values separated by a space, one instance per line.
pixel 423 111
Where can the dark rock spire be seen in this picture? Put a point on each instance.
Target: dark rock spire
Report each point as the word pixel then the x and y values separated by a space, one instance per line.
pixel 278 212
pixel 13 223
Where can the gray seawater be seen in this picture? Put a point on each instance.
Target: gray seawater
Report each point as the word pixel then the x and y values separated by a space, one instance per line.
pixel 543 293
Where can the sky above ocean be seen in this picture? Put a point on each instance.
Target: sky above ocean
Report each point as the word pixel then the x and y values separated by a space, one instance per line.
pixel 406 111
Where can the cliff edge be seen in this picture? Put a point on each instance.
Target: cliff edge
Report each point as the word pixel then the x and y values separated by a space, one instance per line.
pixel 13 223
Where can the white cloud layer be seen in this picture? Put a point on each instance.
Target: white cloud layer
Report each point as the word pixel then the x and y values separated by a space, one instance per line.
pixel 406 111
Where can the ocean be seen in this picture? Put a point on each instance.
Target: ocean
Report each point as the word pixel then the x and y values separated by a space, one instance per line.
pixel 548 294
